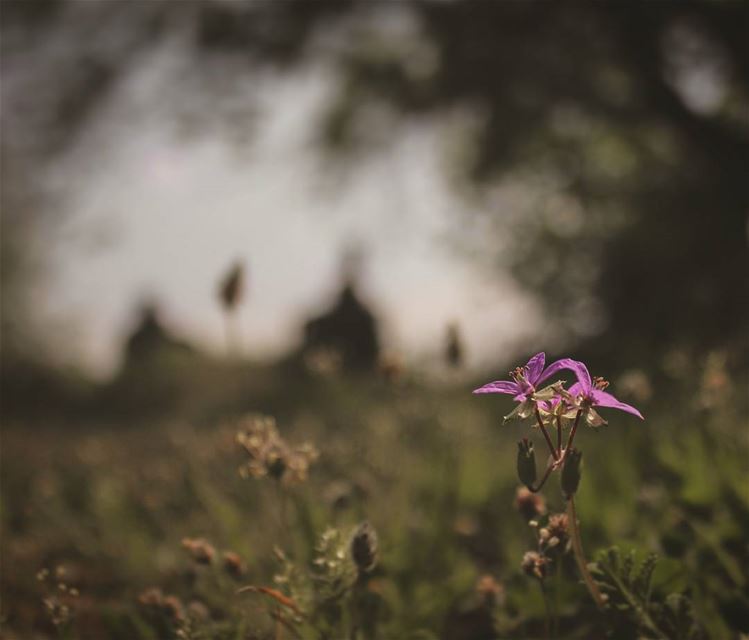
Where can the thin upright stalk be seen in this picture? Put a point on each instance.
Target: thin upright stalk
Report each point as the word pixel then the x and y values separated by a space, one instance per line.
pixel 547 609
pixel 549 469
pixel 573 431
pixel 577 547
pixel 546 435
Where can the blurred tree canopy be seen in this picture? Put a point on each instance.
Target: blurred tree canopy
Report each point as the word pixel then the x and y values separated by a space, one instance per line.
pixel 607 142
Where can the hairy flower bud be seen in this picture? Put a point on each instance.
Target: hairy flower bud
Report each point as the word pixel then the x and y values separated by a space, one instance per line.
pixel 571 472
pixel 364 547
pixel 526 462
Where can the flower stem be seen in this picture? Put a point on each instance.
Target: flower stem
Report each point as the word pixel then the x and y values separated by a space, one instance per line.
pixel 559 436
pixel 574 429
pixel 547 609
pixel 577 547
pixel 549 469
pixel 546 435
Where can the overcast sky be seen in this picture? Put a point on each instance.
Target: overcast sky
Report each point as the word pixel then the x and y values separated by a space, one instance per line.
pixel 151 212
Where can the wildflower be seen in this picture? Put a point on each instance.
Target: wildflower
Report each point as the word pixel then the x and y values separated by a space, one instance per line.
pixel 200 550
pixel 587 393
pixel 529 504
pixel 525 382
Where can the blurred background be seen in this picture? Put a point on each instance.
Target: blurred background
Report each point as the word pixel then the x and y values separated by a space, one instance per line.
pixel 211 207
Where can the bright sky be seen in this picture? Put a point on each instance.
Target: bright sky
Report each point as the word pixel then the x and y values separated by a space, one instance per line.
pixel 149 212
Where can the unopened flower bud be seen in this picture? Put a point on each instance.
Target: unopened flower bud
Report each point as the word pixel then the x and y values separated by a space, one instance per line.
pixel 364 547
pixel 526 462
pixel 571 472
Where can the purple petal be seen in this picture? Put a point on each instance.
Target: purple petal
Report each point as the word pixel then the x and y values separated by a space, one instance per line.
pixel 603 399
pixel 553 368
pixel 581 372
pixel 499 386
pixel 575 390
pixel 535 367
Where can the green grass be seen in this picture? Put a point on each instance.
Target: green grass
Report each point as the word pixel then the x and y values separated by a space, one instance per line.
pixel 432 470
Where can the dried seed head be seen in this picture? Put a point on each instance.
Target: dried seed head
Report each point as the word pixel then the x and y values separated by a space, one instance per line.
pixel 151 597
pixel 233 564
pixel 364 547
pixel 201 551
pixel 269 455
pixel 558 526
pixel 490 591
pixel 172 607
pixel 535 565
pixel 529 504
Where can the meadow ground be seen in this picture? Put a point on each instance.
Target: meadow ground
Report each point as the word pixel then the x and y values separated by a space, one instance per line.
pixel 105 508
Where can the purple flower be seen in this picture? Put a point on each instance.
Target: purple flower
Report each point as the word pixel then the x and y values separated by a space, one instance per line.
pixel 590 392
pixel 525 379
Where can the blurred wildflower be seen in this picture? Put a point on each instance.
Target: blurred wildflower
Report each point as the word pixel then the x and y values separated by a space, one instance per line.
pixel 233 564
pixel 529 504
pixel 715 385
pixel 199 549
pixel 270 455
pixel 323 361
pixel 60 598
pixel 490 591
pixel 636 383
pixel 466 525
pixel 154 600
pixel 391 367
pixel 364 547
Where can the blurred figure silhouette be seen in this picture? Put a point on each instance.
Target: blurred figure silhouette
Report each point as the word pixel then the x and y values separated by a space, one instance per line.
pixel 454 350
pixel 348 328
pixel 151 339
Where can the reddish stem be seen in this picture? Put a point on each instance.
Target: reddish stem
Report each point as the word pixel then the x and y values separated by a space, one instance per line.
pixel 546 435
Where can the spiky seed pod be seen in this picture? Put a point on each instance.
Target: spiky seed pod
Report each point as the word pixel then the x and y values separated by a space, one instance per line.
pixel 571 472
pixel 364 547
pixel 526 462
